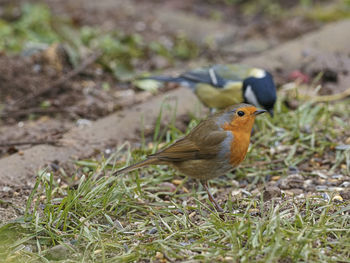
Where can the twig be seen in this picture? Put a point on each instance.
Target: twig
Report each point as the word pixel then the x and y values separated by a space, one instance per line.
pixel 9 144
pixel 62 79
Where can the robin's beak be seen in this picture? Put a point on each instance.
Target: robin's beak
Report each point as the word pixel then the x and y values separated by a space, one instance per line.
pixel 259 112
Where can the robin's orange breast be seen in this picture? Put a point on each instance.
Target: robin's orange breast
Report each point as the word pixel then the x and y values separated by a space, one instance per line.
pixel 239 145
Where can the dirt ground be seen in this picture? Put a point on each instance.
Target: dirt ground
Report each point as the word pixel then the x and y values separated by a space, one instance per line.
pixel 83 98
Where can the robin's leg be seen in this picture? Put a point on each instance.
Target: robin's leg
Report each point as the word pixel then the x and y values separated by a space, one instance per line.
pixel 211 198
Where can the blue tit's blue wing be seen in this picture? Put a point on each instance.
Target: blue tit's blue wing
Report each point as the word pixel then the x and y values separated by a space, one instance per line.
pixel 217 75
pixel 205 75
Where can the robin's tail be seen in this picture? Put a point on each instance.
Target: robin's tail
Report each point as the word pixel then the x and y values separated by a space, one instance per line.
pixel 136 166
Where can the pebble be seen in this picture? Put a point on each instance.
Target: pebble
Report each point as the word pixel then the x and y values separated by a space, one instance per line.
pixel 343 147
pixel 6 189
pixel 271 192
pixel 237 193
pixel 275 178
pixel 345 184
pixel 295 192
pixel 159 255
pixel 185 190
pixel 335 189
pixel 292 181
pixel 83 123
pixel 234 183
pixel 337 199
pixel 168 187
pixel 320 174
pixel 192 214
pixel 246 192
pixel 345 194
pixel 308 184
pixel 338 176
pixel 254 211
pixel 293 169
pixel 326 197
pixel 153 231
pixel 176 181
pixel 321 187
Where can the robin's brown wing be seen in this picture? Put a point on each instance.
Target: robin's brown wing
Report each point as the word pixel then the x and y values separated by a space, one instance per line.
pixel 201 143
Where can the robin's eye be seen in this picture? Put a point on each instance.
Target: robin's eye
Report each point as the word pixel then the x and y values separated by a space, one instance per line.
pixel 240 113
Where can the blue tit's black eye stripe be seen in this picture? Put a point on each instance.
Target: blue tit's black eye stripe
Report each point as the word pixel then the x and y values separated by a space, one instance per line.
pixel 240 113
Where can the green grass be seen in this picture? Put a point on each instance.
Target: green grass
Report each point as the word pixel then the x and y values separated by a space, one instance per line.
pixel 136 218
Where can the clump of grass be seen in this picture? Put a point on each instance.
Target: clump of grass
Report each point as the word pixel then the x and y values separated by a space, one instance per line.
pixel 137 217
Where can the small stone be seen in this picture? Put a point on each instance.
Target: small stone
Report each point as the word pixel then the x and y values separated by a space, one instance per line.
pixel 271 192
pixel 321 188
pixel 6 189
pixel 192 214
pixel 168 187
pixel 293 169
pixel 246 192
pixel 308 184
pixel 343 147
pixel 185 190
pixel 320 174
pixel 345 184
pixel 325 196
pixel 254 211
pixel 176 182
pixel 292 181
pixel 83 122
pixel 237 193
pixel 275 178
pixel 153 231
pixel 159 255
pixel 235 183
pixel 335 189
pixel 294 192
pixel 337 199
pixel 338 176
pixel 345 194
pixel 256 192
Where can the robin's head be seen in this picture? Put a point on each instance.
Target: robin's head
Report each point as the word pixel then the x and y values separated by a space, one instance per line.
pixel 260 90
pixel 242 117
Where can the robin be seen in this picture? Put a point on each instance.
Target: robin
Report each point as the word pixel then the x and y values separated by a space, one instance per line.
pixel 221 86
pixel 213 148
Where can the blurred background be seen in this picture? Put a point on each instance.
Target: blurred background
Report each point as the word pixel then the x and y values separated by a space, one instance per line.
pixel 68 62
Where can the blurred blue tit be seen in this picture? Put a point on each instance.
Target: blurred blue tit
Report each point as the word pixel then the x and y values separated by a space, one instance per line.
pixel 221 86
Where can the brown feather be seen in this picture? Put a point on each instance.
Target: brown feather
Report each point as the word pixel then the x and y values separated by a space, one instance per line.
pixel 198 144
pixel 135 166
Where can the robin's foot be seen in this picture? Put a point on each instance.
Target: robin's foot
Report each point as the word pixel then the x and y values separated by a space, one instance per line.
pixel 211 198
